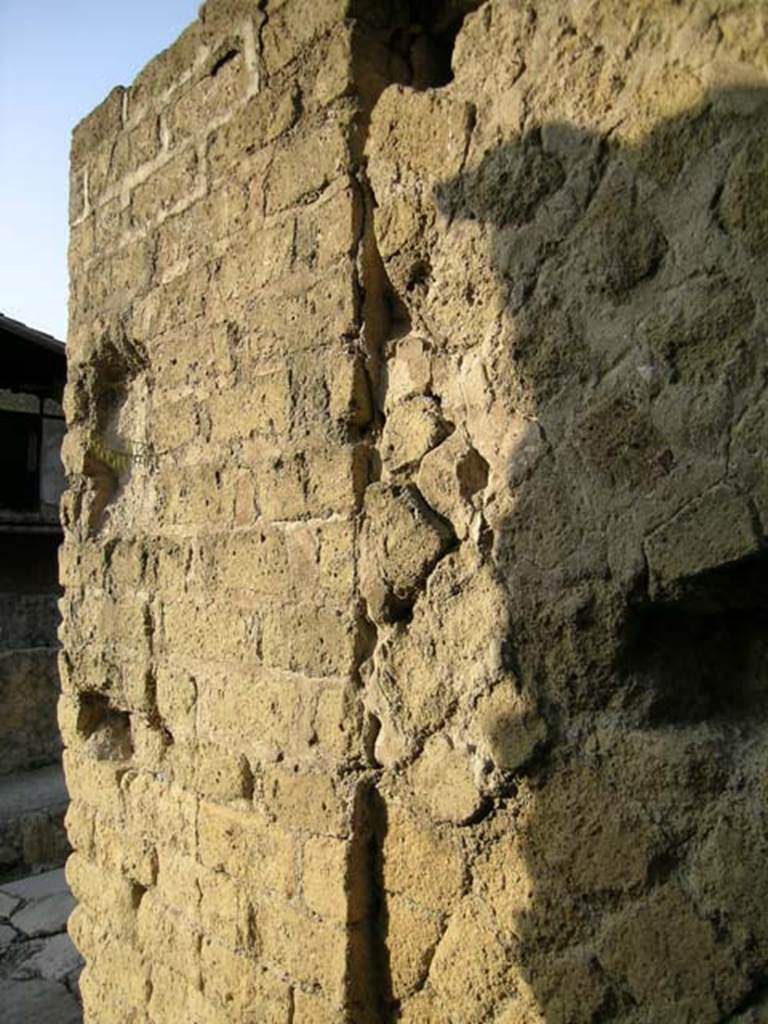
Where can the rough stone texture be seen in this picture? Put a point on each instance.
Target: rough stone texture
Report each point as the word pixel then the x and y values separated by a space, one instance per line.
pixel 415 657
pixel 587 310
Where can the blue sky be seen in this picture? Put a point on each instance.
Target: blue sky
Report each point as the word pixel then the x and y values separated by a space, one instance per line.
pixel 58 60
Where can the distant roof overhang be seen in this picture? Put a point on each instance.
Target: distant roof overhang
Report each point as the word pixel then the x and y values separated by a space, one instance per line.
pixel 31 360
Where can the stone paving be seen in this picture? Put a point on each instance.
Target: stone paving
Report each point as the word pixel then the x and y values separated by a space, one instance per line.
pixel 39 966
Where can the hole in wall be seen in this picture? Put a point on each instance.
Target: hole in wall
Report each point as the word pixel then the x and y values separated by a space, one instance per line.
pixel 225 58
pixel 105 731
pixel 117 364
pixel 419 275
pixel 703 654
pixel 138 892
pixel 424 45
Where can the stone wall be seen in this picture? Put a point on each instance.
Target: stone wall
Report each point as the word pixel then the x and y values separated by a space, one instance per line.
pixel 29 684
pixel 32 793
pixel 415 657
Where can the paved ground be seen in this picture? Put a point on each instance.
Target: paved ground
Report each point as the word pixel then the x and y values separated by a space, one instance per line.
pixel 39 966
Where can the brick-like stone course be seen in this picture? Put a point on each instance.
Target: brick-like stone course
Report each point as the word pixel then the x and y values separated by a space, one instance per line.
pixel 215 410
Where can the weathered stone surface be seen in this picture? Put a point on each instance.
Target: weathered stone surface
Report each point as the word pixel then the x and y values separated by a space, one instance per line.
pixel 442 782
pixel 714 530
pixel 417 934
pixel 667 944
pixel 414 633
pixel 510 728
pixel 423 865
pixel 475 983
pixel 449 655
pixel 402 542
pixel 449 477
pixel 412 429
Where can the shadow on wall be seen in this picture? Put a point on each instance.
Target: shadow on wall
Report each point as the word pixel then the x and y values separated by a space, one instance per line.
pixel 633 557
pixel 624 865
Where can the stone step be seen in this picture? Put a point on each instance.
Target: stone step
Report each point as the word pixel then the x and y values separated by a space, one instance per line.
pixel 32 807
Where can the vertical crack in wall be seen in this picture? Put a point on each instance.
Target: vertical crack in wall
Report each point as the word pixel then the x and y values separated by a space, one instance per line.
pixel 410 45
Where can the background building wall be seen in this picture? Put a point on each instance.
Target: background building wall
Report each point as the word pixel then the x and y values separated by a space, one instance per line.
pixel 32 792
pixel 415 660
pixel 29 735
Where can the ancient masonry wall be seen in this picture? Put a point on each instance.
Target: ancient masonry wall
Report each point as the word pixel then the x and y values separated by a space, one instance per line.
pixel 415 663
